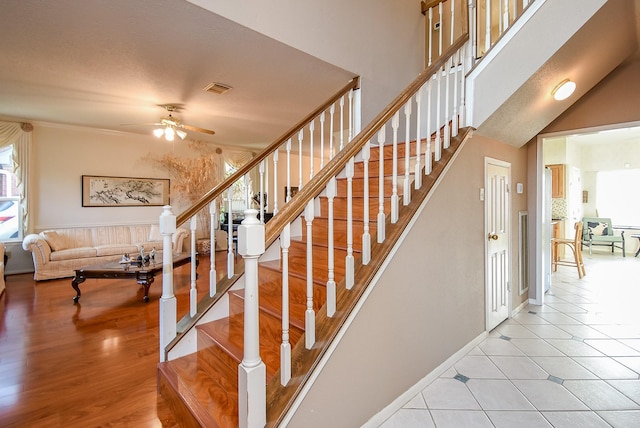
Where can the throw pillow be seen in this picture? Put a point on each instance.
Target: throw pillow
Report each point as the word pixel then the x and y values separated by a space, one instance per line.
pixel 597 228
pixel 55 241
pixel 154 233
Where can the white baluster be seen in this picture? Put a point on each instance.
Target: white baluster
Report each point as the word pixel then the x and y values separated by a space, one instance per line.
pixel 463 73
pixel 427 150
pixel 322 115
pixel 275 182
pixel 406 189
pixel 266 184
pixel 332 112
pixel 438 141
pixel 193 292
pixel 247 198
pixel 300 138
pixel 351 115
pixel 261 199
pixel 349 260
pixel 168 310
pixel 214 222
pixel 395 200
pixel 366 235
pixel 441 32
pixel 230 255
pixel 252 373
pixel 312 127
pixel 310 314
pixel 331 191
pixel 288 198
pixel 454 114
pixel 381 216
pixel 341 123
pixel 487 26
pixel 430 36
pixel 447 130
pixel 285 347
pixel 418 165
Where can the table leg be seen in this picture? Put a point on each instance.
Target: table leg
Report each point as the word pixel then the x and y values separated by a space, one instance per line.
pixel 145 279
pixel 77 279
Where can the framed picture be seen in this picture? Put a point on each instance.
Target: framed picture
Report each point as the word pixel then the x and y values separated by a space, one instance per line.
pixel 294 190
pixel 98 191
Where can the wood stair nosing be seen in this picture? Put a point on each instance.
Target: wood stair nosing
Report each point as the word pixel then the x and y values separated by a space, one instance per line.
pixel 207 397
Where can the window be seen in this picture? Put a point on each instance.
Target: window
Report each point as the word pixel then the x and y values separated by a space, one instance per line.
pixel 238 201
pixel 10 225
pixel 616 193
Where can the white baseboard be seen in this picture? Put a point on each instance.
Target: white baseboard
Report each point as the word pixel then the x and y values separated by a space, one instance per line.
pixel 397 404
pixel 519 308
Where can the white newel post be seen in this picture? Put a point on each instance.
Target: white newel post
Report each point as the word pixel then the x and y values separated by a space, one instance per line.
pixel 168 304
pixel 252 373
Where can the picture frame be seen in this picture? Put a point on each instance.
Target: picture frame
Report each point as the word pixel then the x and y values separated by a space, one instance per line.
pixel 107 191
pixel 294 190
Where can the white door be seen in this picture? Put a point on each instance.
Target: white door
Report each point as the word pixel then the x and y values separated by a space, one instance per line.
pixel 497 177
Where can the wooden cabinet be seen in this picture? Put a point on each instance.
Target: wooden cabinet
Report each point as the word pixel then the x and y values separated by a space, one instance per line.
pixel 557 180
pixel 558 232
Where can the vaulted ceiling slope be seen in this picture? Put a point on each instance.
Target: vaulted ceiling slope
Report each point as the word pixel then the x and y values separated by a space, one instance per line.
pixel 102 64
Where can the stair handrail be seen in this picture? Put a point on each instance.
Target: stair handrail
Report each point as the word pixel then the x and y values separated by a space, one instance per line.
pixel 293 208
pixel 255 161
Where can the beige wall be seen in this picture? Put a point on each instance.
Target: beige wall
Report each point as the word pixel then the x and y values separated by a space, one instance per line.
pixel 428 303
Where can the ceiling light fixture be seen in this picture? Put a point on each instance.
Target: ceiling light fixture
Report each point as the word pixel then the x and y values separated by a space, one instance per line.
pixel 563 90
pixel 169 133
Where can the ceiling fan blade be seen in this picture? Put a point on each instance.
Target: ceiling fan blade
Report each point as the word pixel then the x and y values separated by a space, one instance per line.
pixel 195 128
pixel 141 124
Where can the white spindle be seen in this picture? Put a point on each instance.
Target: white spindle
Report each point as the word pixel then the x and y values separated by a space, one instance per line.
pixel 261 199
pixel 266 184
pixel 441 32
pixel 322 115
pixel 310 314
pixel 193 291
pixel 430 36
pixel 381 216
pixel 288 148
pixel 230 257
pixel 331 191
pixel 418 165
pixel 275 182
pixel 168 306
pixel 341 123
pixel 351 115
pixel 300 138
pixel 252 372
pixel 395 200
pixel 349 265
pixel 214 222
pixel 312 127
pixel 247 197
pixel 285 347
pixel 463 72
pixel 406 189
pixel 427 151
pixel 447 130
pixel 438 141
pixel 454 114
pixel 366 235
pixel 332 112
pixel 487 26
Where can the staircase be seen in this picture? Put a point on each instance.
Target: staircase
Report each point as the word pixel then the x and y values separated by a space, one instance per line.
pixel 201 388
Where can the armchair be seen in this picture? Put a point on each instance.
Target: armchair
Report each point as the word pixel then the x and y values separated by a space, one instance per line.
pixel 599 231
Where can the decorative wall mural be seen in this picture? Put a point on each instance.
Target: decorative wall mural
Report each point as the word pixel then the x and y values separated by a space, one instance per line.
pixel 100 191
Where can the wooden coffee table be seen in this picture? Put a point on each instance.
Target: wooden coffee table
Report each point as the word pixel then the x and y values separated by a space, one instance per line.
pixel 144 273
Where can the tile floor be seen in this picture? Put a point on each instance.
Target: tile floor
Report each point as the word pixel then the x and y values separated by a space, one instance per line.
pixel 573 362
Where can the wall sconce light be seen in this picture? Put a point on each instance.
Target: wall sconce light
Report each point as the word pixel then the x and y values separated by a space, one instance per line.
pixel 563 90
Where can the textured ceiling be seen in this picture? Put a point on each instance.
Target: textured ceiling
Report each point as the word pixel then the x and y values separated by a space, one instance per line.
pixel 103 64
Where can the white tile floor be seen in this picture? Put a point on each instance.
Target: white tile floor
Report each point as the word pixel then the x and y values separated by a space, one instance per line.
pixel 574 362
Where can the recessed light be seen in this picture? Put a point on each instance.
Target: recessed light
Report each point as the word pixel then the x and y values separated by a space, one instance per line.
pixel 563 90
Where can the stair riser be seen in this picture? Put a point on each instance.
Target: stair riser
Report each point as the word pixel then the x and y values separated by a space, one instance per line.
pixel 298 261
pixel 340 207
pixel 320 232
pixel 271 285
pixel 388 150
pixel 358 186
pixel 374 168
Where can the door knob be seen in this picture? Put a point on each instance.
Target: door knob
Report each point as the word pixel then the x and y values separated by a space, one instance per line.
pixel 493 236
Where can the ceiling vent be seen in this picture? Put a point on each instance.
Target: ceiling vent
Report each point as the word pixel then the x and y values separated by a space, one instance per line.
pixel 217 88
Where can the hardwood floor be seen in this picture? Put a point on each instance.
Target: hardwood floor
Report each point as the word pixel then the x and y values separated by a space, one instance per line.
pixel 86 365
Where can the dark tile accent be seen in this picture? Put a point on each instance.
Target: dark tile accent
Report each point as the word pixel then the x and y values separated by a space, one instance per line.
pixel 462 378
pixel 579 339
pixel 555 379
pixel 503 337
pixel 533 312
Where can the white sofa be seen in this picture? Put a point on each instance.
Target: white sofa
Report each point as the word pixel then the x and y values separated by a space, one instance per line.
pixel 57 253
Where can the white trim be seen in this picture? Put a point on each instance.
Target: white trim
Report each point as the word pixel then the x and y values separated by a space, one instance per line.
pixel 397 404
pixel 520 307
pixel 365 295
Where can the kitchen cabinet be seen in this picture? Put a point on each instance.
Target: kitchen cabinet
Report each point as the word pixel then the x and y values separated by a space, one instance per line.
pixel 557 180
pixel 558 232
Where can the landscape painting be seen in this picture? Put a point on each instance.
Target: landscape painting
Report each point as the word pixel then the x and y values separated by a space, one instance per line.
pixel 100 191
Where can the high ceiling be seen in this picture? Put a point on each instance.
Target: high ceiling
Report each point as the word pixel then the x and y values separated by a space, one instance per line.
pixel 104 64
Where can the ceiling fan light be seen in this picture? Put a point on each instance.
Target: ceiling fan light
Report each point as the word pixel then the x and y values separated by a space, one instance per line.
pixel 564 90
pixel 169 134
pixel 158 132
pixel 181 134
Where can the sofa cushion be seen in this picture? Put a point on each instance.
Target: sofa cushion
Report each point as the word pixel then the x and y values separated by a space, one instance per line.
pixel 116 249
pixel 598 228
pixel 73 253
pixel 56 242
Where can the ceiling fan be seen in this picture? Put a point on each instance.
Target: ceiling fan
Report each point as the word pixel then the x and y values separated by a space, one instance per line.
pixel 169 126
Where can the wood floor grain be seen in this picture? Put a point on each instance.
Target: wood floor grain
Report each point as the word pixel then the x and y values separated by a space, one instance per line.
pixel 86 365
